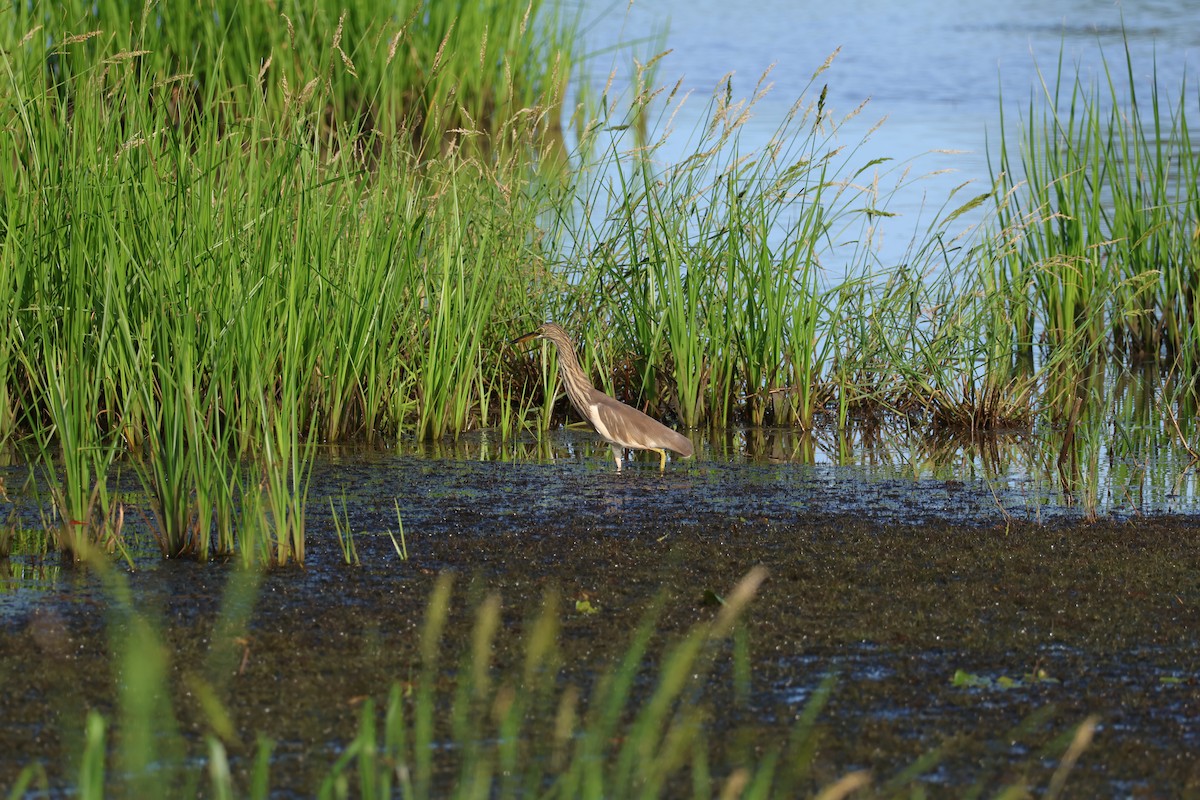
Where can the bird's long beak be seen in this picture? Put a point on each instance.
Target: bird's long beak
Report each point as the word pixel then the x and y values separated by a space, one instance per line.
pixel 525 338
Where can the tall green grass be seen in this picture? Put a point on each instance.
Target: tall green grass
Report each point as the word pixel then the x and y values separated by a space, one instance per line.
pixel 1099 206
pixel 422 73
pixel 712 274
pixel 232 234
pixel 709 271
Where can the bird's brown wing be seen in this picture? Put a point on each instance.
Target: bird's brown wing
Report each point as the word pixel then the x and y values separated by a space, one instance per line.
pixel 626 426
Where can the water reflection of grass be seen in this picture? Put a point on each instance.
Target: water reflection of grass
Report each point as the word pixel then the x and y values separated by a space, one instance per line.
pixel 229 237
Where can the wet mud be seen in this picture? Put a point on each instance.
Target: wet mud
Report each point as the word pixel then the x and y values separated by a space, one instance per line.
pixel 947 626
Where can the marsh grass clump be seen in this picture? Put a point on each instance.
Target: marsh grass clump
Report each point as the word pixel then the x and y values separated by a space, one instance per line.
pixel 711 268
pixel 1100 209
pixel 234 232
pixel 742 288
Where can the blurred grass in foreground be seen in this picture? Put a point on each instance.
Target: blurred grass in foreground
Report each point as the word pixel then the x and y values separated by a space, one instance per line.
pixel 463 728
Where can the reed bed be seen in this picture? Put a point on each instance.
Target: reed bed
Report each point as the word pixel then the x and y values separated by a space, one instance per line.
pixel 743 288
pixel 710 269
pixel 231 235
pixel 1098 213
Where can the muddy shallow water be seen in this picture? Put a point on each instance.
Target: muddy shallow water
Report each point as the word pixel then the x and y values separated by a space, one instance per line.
pixel 890 586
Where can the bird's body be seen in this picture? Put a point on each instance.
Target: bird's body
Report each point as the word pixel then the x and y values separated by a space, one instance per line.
pixel 622 426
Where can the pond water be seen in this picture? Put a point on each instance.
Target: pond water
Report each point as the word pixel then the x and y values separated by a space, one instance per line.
pixel 935 71
pixel 947 625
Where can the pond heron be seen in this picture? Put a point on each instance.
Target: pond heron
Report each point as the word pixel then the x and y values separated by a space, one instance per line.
pixel 621 426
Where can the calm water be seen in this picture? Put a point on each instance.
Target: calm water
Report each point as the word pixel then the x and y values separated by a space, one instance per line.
pixel 936 71
pixel 982 640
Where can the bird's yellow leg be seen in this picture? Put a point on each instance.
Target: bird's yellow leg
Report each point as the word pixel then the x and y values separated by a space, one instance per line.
pixel 617 453
pixel 662 459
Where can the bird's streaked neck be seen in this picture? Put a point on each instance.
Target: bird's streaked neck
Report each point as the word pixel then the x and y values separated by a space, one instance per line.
pixel 574 378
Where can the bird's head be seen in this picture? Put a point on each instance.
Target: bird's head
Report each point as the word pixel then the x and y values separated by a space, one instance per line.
pixel 549 330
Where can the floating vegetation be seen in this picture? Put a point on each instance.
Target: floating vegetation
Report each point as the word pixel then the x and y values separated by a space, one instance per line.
pixel 479 716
